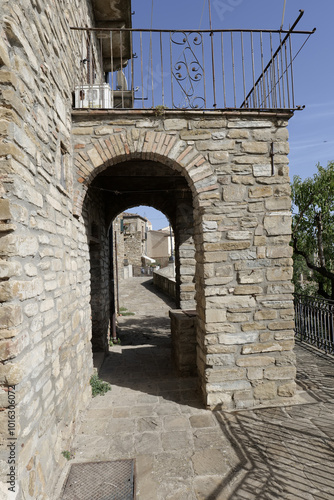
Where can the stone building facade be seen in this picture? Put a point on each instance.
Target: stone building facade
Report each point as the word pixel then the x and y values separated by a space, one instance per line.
pixel 160 246
pixel 134 231
pixel 228 202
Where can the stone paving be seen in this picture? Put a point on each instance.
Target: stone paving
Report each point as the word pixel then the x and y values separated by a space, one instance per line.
pixel 185 452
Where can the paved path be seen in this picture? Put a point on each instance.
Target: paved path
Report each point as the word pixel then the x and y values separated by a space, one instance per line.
pixel 184 452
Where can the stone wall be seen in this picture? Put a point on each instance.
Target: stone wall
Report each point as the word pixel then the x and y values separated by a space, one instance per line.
pixel 45 313
pixel 133 248
pixel 99 266
pixel 183 332
pixel 241 226
pixel 165 281
pixel 232 231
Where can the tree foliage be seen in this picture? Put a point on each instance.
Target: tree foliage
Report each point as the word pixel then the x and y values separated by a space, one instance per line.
pixel 313 232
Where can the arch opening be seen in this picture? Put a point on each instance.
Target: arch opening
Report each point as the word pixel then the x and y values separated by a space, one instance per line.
pixel 118 188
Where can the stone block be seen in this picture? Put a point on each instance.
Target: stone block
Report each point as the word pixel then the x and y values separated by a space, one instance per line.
pixel 21 289
pixel 218 157
pixel 175 124
pixel 194 135
pixel 262 135
pixel 4 210
pixel 214 376
pixel 10 315
pixel 266 336
pixel 279 274
pixel 255 147
pixel 230 385
pixel 248 290
pixel 277 225
pixel 251 161
pixel 266 390
pixel 238 317
pixel 12 373
pixel 278 203
pixel 211 123
pixel 9 269
pixel 219 135
pixel 255 361
pixel 279 252
pixel 262 170
pixel 287 390
pixel 238 235
pixel 262 347
pixel 249 124
pixel 280 373
pixel 220 349
pixel 220 359
pixel 264 314
pixel 104 130
pixel 252 326
pixel 255 373
pixel 281 325
pixel 222 400
pixel 6 333
pixel 288 314
pixel 4 56
pixel 224 145
pixel 238 338
pixel 243 179
pixel 223 270
pixel 250 276
pixel 215 315
pixel 233 302
pixel 234 245
pixel 18 245
pixel 238 134
pixel 215 256
pixel 281 148
pixel 260 192
pixel 10 348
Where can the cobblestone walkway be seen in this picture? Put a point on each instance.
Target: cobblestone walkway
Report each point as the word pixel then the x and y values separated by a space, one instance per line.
pixel 184 452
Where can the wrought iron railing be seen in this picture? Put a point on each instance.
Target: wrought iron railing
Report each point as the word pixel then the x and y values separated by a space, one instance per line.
pixel 188 69
pixel 314 320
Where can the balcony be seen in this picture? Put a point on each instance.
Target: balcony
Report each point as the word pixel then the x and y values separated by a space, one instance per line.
pixel 191 69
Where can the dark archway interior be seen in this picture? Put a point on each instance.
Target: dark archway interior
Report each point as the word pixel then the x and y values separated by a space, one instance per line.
pixel 116 189
pixel 142 182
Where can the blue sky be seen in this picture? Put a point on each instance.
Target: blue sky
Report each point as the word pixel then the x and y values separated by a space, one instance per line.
pixel 311 130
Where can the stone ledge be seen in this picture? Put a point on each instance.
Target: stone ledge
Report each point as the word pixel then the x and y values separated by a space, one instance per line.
pixel 89 113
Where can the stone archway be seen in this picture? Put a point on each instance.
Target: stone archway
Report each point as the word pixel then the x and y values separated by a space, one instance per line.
pixel 240 227
pixel 100 154
pixel 183 166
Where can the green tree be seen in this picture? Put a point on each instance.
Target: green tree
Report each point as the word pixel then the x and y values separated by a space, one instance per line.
pixel 313 232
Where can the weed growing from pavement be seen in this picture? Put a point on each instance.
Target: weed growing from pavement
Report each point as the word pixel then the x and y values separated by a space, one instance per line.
pixel 98 386
pixel 124 312
pixel 114 342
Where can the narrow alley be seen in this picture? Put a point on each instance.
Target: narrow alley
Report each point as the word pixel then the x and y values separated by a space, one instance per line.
pixel 185 452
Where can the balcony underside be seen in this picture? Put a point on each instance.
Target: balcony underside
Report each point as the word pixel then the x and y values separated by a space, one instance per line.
pixel 113 14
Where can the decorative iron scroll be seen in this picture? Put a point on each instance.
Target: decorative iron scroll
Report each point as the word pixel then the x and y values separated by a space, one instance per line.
pixel 188 71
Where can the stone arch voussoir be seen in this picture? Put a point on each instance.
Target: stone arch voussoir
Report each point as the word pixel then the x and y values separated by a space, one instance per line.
pixel 165 148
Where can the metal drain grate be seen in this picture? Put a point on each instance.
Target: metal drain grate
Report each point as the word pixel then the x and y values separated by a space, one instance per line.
pixel 100 481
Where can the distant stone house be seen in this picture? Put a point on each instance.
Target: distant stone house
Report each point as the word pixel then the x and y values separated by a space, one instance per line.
pixel 129 243
pixel 135 229
pixel 217 170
